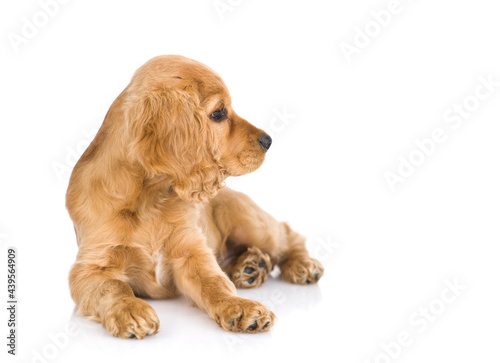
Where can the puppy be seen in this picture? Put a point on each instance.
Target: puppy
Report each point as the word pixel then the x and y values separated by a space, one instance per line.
pixel 151 214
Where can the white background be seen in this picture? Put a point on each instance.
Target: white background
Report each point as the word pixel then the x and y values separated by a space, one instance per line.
pixel 386 253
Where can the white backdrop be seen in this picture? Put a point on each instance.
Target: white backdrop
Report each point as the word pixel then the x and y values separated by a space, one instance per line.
pixel 384 116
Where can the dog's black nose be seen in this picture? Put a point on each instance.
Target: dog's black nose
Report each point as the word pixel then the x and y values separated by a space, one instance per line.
pixel 266 141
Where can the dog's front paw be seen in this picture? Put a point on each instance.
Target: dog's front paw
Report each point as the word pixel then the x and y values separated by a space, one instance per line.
pixel 302 271
pixel 131 318
pixel 243 315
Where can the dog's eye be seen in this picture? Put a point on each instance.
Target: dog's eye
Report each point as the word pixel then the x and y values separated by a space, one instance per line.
pixel 220 114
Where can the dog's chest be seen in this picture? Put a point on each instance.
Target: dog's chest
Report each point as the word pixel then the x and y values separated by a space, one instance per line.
pixel 157 242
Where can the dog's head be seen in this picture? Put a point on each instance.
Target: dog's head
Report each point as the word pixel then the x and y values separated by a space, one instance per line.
pixel 180 123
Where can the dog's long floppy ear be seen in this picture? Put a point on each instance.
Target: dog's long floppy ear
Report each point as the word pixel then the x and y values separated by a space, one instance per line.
pixel 168 136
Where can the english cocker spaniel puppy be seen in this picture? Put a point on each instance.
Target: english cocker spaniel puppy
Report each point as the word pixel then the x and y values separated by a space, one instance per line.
pixel 151 214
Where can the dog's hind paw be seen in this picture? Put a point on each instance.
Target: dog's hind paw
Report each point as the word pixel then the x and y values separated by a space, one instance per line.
pixel 303 271
pixel 251 269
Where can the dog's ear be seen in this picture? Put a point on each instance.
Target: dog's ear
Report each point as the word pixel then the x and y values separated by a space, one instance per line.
pixel 169 135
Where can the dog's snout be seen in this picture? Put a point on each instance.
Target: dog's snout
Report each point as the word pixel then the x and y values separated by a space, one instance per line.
pixel 265 141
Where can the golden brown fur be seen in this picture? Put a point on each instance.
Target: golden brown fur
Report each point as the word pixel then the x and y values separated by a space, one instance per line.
pixel 151 217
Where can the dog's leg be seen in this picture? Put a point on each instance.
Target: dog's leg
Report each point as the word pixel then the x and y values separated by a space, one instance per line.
pixel 296 265
pixel 246 224
pixel 101 295
pixel 199 277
